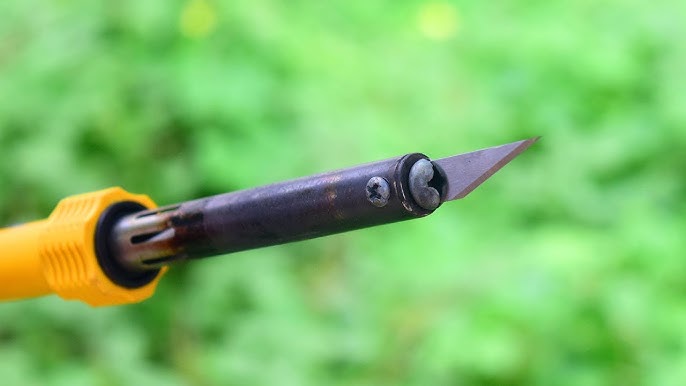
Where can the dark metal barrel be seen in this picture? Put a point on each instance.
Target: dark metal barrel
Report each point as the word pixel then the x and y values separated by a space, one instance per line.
pixel 343 200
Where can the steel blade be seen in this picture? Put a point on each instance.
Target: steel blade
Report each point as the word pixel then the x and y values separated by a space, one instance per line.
pixel 465 172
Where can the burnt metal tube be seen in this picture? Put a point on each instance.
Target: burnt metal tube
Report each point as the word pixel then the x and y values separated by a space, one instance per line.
pixel 358 197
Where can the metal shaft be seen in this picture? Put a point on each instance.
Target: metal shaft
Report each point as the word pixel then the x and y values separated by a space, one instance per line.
pixel 362 196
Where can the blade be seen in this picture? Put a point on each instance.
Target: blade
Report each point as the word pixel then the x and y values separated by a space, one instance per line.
pixel 465 172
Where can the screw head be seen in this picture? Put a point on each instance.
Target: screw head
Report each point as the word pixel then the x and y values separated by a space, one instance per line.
pixel 378 191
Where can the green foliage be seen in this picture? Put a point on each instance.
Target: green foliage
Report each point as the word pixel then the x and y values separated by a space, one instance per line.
pixel 567 268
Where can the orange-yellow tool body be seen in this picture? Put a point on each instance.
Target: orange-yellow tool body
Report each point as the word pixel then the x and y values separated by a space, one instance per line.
pixel 57 255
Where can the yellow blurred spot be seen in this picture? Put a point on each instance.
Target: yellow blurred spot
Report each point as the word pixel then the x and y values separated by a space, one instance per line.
pixel 198 19
pixel 437 20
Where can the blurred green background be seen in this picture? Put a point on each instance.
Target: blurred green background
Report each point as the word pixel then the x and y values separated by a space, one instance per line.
pixel 567 268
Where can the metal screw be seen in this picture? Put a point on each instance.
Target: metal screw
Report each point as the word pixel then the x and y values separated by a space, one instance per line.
pixel 420 174
pixel 378 191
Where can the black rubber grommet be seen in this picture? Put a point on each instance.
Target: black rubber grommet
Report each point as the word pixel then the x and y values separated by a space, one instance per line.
pixel 105 253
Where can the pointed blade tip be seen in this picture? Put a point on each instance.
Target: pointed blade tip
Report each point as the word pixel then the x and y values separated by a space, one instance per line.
pixel 487 168
pixel 533 140
pixel 526 142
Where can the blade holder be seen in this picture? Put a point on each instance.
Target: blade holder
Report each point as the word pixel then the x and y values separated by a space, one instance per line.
pixel 289 211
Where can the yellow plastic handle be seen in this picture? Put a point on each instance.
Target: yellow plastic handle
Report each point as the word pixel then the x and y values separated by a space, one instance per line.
pixel 57 255
pixel 21 275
